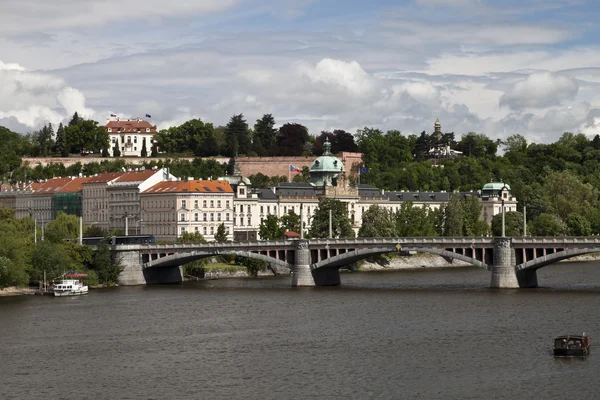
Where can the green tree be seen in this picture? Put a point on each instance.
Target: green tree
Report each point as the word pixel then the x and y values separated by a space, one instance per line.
pixel 237 135
pixel 64 227
pixel 51 258
pixel 264 136
pixel 378 222
pixel 513 224
pixel 144 151
pixel 413 221
pixel 106 264
pixel 221 235
pixel 191 237
pixel 341 226
pixel 578 225
pixel 290 222
pixel 270 228
pixel 548 225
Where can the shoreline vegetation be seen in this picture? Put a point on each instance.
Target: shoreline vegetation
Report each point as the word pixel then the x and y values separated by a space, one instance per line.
pixel 395 263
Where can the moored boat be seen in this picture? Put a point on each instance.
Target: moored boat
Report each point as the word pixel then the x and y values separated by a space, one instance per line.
pixel 71 286
pixel 572 346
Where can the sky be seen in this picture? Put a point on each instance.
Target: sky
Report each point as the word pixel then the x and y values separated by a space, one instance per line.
pixel 498 67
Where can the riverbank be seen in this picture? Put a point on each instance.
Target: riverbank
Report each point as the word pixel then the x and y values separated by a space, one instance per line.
pixel 15 291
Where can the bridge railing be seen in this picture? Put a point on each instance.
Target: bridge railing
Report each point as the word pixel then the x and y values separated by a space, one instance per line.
pixel 557 240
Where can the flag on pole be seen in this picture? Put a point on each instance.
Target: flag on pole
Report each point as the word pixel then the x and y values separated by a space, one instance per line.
pixel 294 168
pixel 113 115
pixel 148 116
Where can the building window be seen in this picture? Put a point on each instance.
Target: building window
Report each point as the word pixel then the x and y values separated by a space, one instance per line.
pixel 241 208
pixel 227 204
pixel 262 209
pixel 212 230
pixel 182 230
pixel 182 217
pixel 242 221
pixel 212 217
pixel 135 148
pixel 196 217
pixel 135 139
pixel 242 192
pixel 195 203
pixel 128 139
pixel 196 229
pixel 204 203
pixel 249 221
pixel 212 204
pixel 227 217
pixel 219 203
pixel 183 204
pixel 218 216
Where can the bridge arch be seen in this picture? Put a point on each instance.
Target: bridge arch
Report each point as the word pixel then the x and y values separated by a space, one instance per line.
pixel 360 254
pixel 178 259
pixel 541 262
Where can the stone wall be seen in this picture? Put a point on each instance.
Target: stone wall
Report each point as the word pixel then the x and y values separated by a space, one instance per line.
pixel 269 166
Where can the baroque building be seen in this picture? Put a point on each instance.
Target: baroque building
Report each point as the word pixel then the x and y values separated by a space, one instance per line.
pixel 130 136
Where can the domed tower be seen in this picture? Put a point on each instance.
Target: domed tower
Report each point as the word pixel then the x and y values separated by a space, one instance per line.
pixel 326 169
pixel 328 176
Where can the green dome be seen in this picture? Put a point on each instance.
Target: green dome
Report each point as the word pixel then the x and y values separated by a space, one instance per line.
pixel 325 168
pixel 496 186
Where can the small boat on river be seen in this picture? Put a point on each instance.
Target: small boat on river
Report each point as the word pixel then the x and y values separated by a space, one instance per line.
pixel 572 346
pixel 71 286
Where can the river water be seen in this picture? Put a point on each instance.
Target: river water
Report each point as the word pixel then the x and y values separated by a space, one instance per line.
pixel 424 334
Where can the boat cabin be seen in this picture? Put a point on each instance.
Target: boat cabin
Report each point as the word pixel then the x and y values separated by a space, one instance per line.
pixel 572 346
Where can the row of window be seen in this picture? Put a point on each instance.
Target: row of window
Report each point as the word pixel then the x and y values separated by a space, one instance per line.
pixel 205 204
pixel 205 216
pixel 204 230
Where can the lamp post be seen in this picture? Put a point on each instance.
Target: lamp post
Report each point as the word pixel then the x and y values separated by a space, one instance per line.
pixel 503 226
pixel 524 219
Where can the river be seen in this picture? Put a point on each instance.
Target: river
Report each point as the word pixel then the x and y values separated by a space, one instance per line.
pixel 422 334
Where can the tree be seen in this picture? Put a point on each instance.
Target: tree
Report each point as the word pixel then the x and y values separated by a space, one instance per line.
pixel 578 225
pixel 49 257
pixel 116 151
pixel 64 227
pixel 144 151
pixel 548 225
pixel 154 152
pixel 513 224
pixel 221 235
pixel 412 221
pixel 291 140
pixel 378 222
pixel 237 136
pixel 189 237
pixel 341 226
pixel 340 141
pixel 106 264
pixel 264 136
pixel 270 228
pixel 61 146
pixel 290 222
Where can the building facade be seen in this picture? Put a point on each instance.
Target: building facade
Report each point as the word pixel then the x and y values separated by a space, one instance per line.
pixel 130 136
pixel 170 209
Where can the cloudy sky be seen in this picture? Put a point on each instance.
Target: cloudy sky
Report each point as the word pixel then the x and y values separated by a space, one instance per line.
pixel 497 67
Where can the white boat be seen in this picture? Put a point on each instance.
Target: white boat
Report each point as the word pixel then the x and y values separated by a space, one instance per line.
pixel 70 287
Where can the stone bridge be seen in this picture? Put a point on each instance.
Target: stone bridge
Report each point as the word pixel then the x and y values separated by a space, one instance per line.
pixel 513 262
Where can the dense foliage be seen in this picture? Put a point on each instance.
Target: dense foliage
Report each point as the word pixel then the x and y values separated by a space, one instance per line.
pixel 23 260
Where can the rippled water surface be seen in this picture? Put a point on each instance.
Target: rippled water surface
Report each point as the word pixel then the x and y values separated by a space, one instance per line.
pixel 426 334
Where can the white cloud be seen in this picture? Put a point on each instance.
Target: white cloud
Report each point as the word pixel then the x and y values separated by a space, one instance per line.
pixel 32 99
pixel 448 3
pixel 540 90
pixel 18 16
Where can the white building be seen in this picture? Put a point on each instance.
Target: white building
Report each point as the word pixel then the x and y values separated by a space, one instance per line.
pixel 170 209
pixel 130 136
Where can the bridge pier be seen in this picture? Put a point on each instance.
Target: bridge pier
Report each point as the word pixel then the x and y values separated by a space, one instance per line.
pixel 504 274
pixel 132 273
pixel 302 274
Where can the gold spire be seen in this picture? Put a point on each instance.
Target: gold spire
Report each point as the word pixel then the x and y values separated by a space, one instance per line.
pixel 438 126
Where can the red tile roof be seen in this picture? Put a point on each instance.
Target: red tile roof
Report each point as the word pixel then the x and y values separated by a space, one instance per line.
pixel 136 176
pixel 51 186
pixel 199 186
pixel 130 126
pixel 104 177
pixel 74 186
